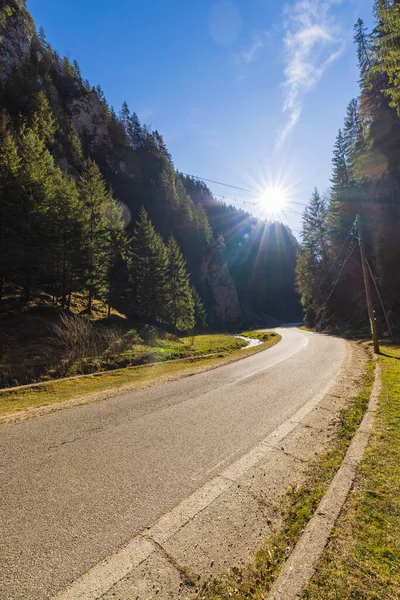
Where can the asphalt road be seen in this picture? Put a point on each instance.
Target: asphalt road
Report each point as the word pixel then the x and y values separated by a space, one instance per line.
pixel 78 484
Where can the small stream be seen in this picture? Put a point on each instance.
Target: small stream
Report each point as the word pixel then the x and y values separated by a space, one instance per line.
pixel 250 342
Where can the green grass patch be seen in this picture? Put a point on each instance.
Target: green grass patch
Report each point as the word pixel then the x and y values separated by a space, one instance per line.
pixel 362 559
pixel 299 505
pixel 264 336
pixel 224 348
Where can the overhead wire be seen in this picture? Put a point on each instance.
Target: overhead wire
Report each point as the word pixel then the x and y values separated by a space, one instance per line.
pixel 330 268
pixel 235 187
pixel 348 255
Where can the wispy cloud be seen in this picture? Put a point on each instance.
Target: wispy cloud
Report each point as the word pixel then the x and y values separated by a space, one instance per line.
pixel 249 54
pixel 313 41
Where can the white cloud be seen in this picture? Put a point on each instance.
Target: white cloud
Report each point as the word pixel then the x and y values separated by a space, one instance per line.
pixel 313 41
pixel 248 55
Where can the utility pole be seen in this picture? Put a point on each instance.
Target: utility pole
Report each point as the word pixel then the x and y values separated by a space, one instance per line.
pixel 367 283
pixel 381 301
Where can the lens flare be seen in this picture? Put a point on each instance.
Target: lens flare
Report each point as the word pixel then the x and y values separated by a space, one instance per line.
pixel 274 199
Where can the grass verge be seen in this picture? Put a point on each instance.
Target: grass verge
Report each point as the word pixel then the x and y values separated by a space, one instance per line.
pixel 362 559
pixel 255 579
pixel 264 336
pixel 63 390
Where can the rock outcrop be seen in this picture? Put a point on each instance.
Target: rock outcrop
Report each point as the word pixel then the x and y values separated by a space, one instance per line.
pixel 217 280
pixel 16 30
pixel 87 115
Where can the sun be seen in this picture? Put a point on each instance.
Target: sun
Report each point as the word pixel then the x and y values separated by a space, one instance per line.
pixel 274 199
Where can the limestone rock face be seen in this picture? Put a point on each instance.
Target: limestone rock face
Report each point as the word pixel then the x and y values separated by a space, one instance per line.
pixel 216 278
pixel 87 114
pixel 15 38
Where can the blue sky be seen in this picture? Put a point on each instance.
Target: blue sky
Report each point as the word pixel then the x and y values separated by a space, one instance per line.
pixel 248 92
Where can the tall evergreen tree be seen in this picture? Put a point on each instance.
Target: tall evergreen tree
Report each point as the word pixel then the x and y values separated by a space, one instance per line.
pixel 44 123
pixel 200 313
pixel 388 42
pixel 148 271
pixel 180 303
pixel 340 174
pixel 96 199
pixel 37 187
pixel 9 197
pixel 353 136
pixel 313 257
pixel 363 42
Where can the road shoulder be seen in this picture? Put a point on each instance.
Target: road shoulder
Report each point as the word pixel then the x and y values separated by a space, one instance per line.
pixel 219 527
pixel 36 400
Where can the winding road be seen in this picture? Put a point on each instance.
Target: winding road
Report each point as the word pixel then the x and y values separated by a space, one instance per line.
pixel 76 485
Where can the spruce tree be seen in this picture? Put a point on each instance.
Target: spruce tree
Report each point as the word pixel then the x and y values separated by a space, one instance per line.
pixel 312 256
pixel 115 248
pixel 148 271
pixel 134 131
pixel 363 43
pixel 96 200
pixel 353 135
pixel 36 228
pixel 9 198
pixel 388 43
pixel 180 303
pixel 340 174
pixel 200 313
pixel 44 123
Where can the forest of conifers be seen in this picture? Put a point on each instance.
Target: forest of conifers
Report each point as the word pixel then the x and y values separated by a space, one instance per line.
pixel 365 181
pixel 91 202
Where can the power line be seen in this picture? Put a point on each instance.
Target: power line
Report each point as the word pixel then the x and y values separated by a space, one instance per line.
pixel 234 187
pixel 349 253
pixel 351 233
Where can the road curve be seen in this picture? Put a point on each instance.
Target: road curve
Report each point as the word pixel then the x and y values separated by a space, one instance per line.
pixel 76 485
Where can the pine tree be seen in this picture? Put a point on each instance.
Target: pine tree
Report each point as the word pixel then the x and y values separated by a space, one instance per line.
pixel 364 51
pixel 74 146
pixel 36 179
pixel 9 196
pixel 148 271
pixel 388 43
pixel 353 136
pixel 312 256
pixel 124 115
pixel 44 123
pixel 96 200
pixel 77 71
pixel 64 250
pixel 134 131
pixel 180 303
pixel 340 174
pixel 115 248
pixel 200 313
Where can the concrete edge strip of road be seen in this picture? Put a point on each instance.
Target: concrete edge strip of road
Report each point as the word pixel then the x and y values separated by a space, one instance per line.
pixel 103 576
pixel 300 566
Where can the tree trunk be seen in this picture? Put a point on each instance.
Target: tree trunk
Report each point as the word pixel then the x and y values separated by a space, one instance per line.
pixel 90 300
pixel 109 299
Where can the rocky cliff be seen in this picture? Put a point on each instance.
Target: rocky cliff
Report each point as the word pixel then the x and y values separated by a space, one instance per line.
pixel 16 31
pixel 216 278
pixel 74 102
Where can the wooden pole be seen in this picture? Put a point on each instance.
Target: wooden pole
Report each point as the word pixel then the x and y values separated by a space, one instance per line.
pixel 367 284
pixel 380 300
